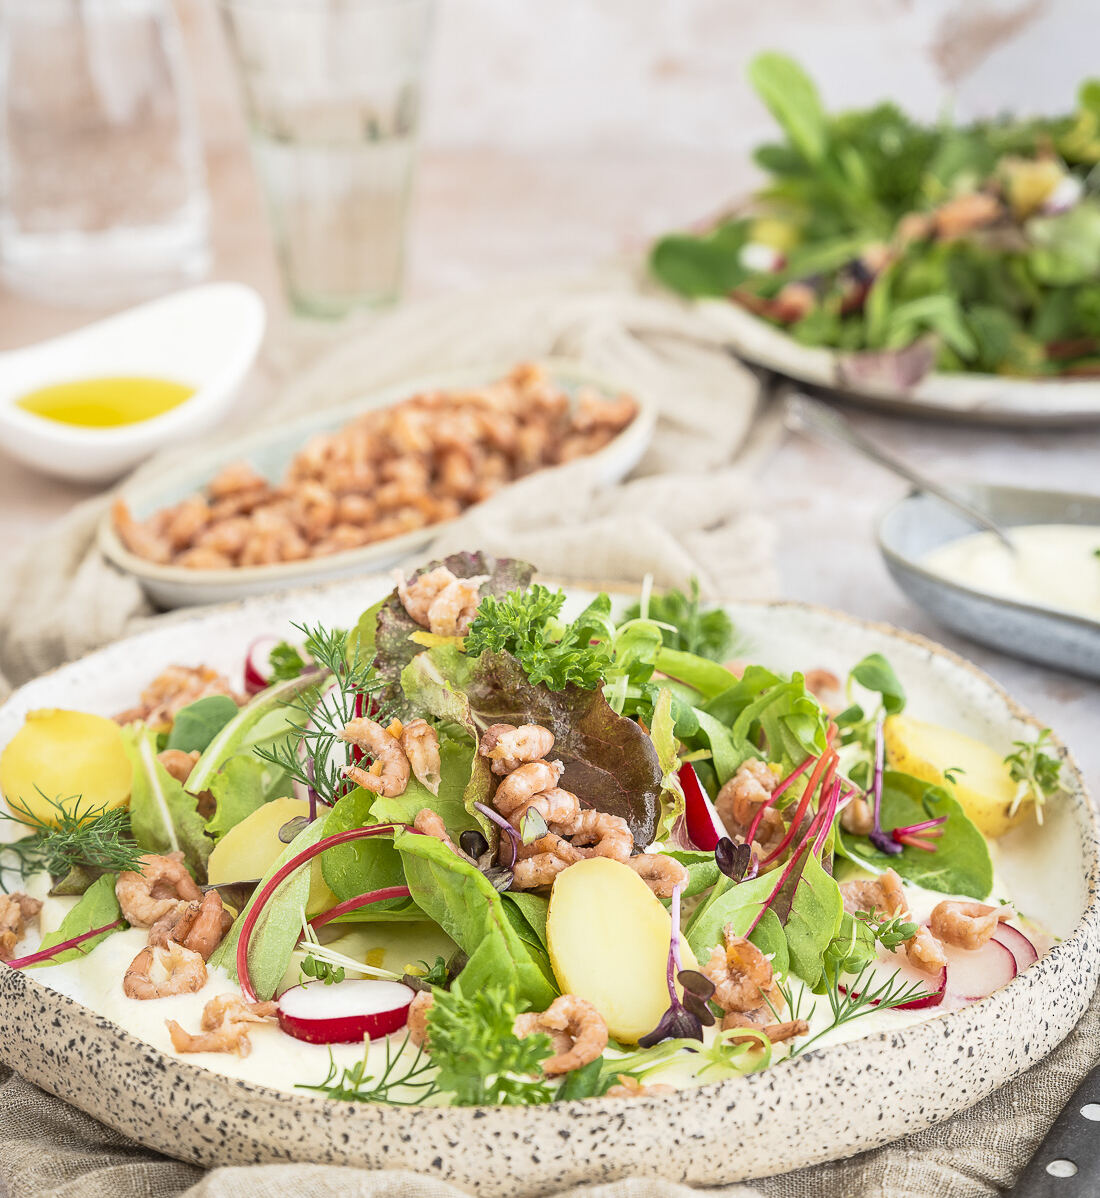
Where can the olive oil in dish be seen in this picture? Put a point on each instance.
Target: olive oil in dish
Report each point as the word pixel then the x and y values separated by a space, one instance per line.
pixel 1055 565
pixel 105 402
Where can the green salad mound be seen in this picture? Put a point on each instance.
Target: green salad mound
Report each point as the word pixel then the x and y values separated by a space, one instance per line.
pixel 911 247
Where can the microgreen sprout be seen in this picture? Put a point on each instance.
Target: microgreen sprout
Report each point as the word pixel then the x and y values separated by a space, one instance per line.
pixel 921 836
pixel 1037 773
pixel 734 860
pixel 686 1017
pixel 325 964
pixel 883 841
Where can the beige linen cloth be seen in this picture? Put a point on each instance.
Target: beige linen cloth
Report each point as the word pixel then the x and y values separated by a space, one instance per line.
pixel 687 511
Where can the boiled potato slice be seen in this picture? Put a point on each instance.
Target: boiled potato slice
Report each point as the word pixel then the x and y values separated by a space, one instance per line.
pixel 249 849
pixel 984 786
pixel 65 756
pixel 609 938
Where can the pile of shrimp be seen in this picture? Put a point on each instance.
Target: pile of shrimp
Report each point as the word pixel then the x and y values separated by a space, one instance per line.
pixel 965 925
pixel 396 751
pixel 747 991
pixel 440 602
pixel 16 911
pixel 185 927
pixel 529 783
pixel 172 690
pixel 388 472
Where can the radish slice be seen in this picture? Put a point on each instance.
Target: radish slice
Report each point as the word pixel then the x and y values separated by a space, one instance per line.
pixel 1018 945
pixel 257 664
pixel 704 828
pixel 344 1012
pixel 884 968
pixel 976 973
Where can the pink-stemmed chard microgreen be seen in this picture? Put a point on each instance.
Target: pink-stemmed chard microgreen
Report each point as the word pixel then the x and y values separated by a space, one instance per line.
pixel 686 1017
pixel 882 840
pixel 822 774
pixel 47 954
pixel 784 783
pixel 921 836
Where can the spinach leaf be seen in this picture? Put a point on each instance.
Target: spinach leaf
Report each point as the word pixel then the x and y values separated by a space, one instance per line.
pixel 196 725
pixel 243 785
pixel 729 903
pixel 875 673
pixel 280 925
pixel 164 818
pixel 97 908
pixel 371 863
pixel 533 908
pixel 960 863
pixel 698 266
pixel 458 897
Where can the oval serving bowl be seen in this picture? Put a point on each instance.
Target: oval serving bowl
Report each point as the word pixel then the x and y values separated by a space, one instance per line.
pixel 919 523
pixel 811 1110
pixel 270 452
pixel 978 398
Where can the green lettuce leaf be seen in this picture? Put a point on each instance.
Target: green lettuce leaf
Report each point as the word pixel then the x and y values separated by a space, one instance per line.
pixel 97 908
pixel 242 785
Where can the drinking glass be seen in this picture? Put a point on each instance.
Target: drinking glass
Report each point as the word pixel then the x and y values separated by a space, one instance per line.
pixel 102 190
pixel 332 91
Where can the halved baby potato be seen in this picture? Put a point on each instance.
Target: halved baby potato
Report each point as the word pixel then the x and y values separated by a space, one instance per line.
pixel 609 938
pixel 984 786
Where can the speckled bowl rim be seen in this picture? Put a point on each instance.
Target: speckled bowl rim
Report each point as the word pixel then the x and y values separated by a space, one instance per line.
pixel 913 566
pixel 316 570
pixel 821 1065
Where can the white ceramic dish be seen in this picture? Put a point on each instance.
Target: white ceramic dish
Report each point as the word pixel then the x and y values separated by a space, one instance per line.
pixel 206 337
pixel 813 1109
pixel 984 398
pixel 270 451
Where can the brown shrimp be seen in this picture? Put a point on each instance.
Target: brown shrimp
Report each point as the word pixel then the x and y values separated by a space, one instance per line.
pixel 883 895
pixel 16 911
pixel 178 763
pixel 539 870
pixel 417 1022
pixel 419 595
pixel 577 1030
pixel 431 824
pixel 966 925
pixel 508 747
pixel 925 952
pixel 550 843
pixel 160 971
pixel 162 886
pixel 226 1021
pixel 608 835
pixel 741 974
pixel 556 806
pixel 390 762
pixel 138 537
pixel 857 817
pixel 630 1087
pixel 742 795
pixel 825 687
pixel 661 873
pixel 524 783
pixel 452 611
pixel 200 926
pixel 777 1033
pixel 420 742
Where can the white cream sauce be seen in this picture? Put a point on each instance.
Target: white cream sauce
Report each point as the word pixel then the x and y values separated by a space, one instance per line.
pixel 1055 565
pixel 280 1061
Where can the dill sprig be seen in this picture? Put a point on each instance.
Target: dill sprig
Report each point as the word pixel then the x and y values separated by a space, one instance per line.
pixel 355 1084
pixel 314 754
pixel 75 834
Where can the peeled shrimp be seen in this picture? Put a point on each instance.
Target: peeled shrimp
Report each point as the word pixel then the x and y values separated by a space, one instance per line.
pixel 418 596
pixel 857 817
pixel 608 835
pixel 882 895
pixel 508 747
pixel 452 611
pixel 178 763
pixel 630 1087
pixel 158 972
pixel 174 688
pixel 776 1032
pixel 550 843
pixel 226 1020
pixel 661 873
pixel 966 925
pixel 741 974
pixel 390 762
pixel 556 806
pixel 16 910
pixel 417 1023
pixel 138 537
pixel 431 824
pixel 420 742
pixel 199 926
pixel 739 798
pixel 577 1030
pixel 162 886
pixel 524 783
pixel 925 952
pixel 539 870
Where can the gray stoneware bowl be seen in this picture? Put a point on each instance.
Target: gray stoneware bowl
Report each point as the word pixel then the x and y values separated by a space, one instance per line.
pixel 814 1109
pixel 920 523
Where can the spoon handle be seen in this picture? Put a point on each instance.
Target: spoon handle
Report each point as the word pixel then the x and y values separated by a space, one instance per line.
pixel 804 414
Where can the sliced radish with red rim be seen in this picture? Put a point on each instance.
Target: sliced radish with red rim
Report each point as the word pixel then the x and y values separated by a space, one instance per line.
pixel 257 664
pixel 1023 951
pixel 977 973
pixel 344 1012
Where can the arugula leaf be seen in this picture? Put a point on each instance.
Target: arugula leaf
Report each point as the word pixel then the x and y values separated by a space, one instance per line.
pixel 164 818
pixel 280 925
pixel 458 897
pixel 960 863
pixel 97 907
pixel 196 725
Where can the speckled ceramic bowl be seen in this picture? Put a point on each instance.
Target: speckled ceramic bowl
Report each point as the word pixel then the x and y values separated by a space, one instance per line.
pixel 826 1104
